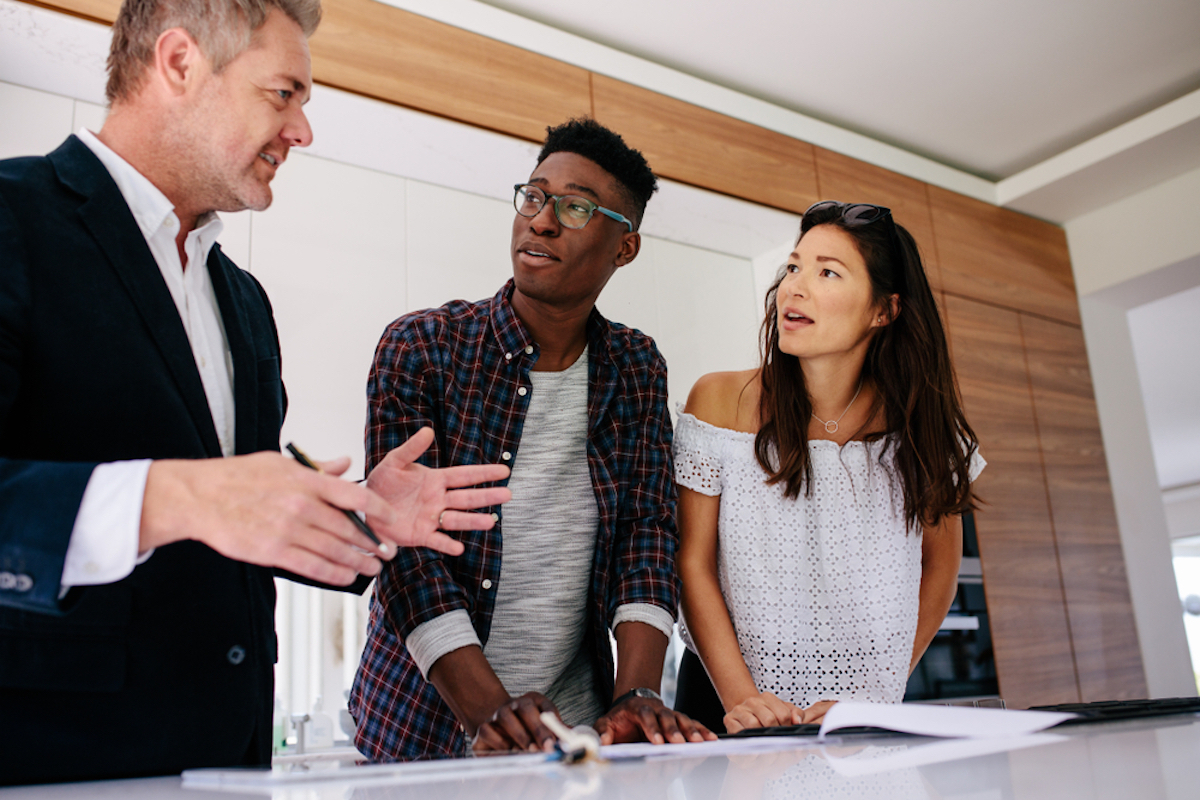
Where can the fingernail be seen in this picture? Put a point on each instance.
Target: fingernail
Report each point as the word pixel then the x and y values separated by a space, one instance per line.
pixel 383 548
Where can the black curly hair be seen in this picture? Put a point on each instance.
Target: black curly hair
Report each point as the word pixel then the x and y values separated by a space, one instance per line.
pixel 588 138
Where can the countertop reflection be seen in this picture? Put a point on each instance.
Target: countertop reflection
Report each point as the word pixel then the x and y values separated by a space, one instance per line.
pixel 1148 760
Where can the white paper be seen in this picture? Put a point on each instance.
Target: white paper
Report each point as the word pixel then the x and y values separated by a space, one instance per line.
pixel 919 755
pixel 944 721
pixel 721 747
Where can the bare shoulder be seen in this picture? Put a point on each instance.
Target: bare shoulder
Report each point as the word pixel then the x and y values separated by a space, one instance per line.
pixel 724 398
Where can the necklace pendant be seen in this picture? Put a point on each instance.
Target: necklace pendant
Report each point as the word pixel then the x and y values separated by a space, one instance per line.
pixel 831 426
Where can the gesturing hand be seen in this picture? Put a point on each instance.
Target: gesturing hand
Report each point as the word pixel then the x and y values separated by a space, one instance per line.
pixel 426 499
pixel 265 509
pixel 645 719
pixel 517 725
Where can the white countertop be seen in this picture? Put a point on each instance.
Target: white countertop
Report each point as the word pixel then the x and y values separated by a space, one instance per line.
pixel 1147 760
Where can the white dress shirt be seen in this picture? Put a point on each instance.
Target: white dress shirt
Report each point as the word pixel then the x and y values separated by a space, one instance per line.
pixel 104 540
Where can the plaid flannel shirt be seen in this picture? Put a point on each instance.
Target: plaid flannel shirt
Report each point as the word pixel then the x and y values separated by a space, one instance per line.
pixel 458 368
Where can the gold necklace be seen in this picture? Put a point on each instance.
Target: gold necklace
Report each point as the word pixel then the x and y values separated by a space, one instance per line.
pixel 832 425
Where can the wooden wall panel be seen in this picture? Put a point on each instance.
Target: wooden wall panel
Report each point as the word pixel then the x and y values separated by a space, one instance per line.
pixel 1103 631
pixel 374 49
pixel 1002 257
pixel 843 178
pixel 703 148
pixel 1020 565
pixel 99 10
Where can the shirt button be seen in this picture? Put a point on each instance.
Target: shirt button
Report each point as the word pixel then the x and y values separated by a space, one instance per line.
pixel 522 391
pixel 508 356
pixel 529 348
pixel 506 456
pixel 23 583
pixel 91 568
pixel 495 517
pixel 236 654
pixel 486 583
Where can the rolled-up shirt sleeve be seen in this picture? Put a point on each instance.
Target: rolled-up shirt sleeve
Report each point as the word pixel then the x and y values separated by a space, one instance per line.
pixel 431 640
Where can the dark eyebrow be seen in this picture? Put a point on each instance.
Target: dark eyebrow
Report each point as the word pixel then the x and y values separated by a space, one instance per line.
pixel 573 187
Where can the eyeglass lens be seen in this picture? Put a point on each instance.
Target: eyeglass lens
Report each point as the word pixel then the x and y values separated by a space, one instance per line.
pixel 571 211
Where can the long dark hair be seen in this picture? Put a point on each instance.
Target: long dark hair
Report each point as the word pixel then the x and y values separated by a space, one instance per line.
pixel 909 363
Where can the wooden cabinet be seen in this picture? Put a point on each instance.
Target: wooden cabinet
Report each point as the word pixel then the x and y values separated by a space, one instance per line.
pixel 703 148
pixel 1002 257
pixel 1021 572
pixel 1095 586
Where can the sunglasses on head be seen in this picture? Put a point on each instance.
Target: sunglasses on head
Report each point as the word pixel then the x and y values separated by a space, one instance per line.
pixel 851 214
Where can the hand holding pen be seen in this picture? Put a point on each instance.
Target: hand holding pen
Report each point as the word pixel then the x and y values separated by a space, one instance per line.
pixel 353 516
pixel 264 509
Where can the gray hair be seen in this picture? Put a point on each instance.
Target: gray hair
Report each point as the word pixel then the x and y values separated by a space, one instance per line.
pixel 222 28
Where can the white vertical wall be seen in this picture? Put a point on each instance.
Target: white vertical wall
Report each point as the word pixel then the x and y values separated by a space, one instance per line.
pixel 1140 249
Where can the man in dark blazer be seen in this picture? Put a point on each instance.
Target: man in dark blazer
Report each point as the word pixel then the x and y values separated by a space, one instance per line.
pixel 136 593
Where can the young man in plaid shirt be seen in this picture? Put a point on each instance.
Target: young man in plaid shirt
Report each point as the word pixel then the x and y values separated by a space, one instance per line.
pixel 467 651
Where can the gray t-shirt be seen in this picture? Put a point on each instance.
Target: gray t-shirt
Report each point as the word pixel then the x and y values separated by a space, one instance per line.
pixel 546 561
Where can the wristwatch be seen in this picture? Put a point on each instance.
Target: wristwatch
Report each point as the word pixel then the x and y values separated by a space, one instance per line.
pixel 640 691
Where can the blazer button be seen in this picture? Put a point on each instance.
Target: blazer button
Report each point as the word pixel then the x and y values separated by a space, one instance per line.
pixel 15 582
pixel 236 654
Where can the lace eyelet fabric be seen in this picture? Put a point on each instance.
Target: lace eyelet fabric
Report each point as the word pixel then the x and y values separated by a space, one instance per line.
pixel 823 591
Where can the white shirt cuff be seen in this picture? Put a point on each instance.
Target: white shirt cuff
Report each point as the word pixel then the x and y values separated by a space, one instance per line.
pixel 652 615
pixel 431 640
pixel 104 540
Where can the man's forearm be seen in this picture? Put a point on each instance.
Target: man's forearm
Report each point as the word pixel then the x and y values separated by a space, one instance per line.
pixel 468 684
pixel 641 649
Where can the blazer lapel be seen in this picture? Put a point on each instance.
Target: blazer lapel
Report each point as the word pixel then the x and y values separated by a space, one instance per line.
pixel 235 316
pixel 107 217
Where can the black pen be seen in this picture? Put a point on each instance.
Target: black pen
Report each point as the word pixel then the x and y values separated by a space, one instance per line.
pixel 304 460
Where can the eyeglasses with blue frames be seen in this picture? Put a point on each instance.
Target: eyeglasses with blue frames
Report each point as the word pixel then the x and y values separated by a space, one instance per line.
pixel 572 211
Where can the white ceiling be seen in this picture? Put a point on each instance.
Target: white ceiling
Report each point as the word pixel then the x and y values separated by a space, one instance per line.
pixel 991 88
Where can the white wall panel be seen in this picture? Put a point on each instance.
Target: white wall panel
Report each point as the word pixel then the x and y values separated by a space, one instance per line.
pixel 88 115
pixel 330 252
pixel 632 295
pixel 458 246
pixel 708 313
pixel 32 123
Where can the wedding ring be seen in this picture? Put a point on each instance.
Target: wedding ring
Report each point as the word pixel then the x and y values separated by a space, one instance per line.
pixel 440 516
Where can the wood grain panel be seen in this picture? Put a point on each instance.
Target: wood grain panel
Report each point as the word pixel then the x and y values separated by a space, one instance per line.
pixel 1016 541
pixel 703 148
pixel 377 50
pixel 843 178
pixel 1103 631
pixel 99 10
pixel 1002 257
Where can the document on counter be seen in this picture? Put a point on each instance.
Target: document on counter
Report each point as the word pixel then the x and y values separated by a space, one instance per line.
pixel 872 760
pixel 956 722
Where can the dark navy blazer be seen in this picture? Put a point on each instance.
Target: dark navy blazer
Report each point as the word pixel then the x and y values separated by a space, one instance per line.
pixel 170 668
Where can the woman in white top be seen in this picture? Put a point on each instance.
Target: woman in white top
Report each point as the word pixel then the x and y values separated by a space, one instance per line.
pixel 821 493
